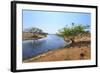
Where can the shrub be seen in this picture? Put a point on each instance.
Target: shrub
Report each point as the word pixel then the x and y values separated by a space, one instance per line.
pixel 72 31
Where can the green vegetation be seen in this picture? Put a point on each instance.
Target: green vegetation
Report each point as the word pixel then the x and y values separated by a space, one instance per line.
pixel 72 31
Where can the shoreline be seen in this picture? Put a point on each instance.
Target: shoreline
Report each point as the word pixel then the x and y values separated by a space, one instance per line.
pixel 81 53
pixel 80 50
pixel 29 36
pixel 48 56
pixel 42 54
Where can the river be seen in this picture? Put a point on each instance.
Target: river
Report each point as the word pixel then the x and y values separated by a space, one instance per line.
pixel 33 48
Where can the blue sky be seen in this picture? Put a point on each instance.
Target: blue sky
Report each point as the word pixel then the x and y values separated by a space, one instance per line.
pixel 51 22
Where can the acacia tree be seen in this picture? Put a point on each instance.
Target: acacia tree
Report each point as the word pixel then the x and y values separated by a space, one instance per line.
pixel 35 32
pixel 72 31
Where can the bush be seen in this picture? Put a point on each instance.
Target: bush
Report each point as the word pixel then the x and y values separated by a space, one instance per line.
pixel 72 31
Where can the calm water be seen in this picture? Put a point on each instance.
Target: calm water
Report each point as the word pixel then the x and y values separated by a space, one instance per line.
pixel 33 48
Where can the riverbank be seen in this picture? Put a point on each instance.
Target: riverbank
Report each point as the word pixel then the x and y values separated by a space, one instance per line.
pixel 80 50
pixel 29 36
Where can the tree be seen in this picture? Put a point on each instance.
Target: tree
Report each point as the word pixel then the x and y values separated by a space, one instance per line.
pixel 72 31
pixel 36 32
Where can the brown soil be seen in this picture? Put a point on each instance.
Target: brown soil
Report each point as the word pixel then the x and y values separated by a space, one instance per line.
pixel 80 50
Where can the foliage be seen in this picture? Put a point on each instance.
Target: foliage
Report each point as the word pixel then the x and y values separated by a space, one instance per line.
pixel 35 30
pixel 72 31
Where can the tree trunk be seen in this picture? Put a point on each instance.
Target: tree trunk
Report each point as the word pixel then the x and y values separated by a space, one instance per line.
pixel 72 40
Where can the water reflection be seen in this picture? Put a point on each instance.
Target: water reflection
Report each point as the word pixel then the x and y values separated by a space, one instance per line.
pixel 33 48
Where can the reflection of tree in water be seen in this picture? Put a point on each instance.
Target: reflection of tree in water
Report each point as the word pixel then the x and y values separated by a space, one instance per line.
pixel 37 42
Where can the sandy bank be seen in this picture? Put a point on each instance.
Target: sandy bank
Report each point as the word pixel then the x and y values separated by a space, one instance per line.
pixel 80 50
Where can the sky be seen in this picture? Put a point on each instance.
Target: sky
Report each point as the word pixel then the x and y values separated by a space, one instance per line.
pixel 50 21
